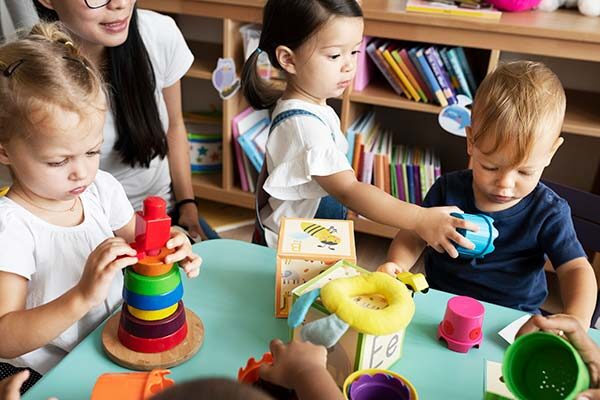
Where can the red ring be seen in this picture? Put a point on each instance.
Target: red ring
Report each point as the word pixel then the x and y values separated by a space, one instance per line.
pixel 152 345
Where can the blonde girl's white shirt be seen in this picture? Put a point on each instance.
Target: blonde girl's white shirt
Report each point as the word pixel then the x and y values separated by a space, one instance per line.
pixel 52 259
pixel 170 58
pixel 299 148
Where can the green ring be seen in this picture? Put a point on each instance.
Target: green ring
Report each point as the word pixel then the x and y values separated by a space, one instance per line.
pixel 152 285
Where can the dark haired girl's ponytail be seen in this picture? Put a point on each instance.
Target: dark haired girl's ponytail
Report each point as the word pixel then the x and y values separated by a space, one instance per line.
pixel 259 93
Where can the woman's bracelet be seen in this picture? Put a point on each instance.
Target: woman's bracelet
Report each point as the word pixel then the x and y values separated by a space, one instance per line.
pixel 184 201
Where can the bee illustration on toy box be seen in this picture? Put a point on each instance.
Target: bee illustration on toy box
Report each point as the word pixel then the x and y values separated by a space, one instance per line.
pixel 306 248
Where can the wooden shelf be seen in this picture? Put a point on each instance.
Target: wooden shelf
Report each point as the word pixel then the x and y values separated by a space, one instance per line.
pixel 208 186
pixel 564 34
pixel 583 114
pixel 381 94
pixel 205 59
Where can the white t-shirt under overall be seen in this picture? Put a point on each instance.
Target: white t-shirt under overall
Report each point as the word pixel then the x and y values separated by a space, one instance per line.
pixel 170 58
pixel 298 148
pixel 53 257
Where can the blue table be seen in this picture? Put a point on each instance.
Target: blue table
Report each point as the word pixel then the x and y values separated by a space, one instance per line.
pixel 234 296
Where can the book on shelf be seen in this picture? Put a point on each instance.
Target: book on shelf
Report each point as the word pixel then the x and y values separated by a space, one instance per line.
pixel 384 68
pixel 428 74
pixel 363 66
pixel 450 8
pixel 405 172
pixel 431 78
pixel 247 129
pixel 440 73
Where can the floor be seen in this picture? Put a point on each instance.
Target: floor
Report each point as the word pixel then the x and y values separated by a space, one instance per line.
pixel 370 250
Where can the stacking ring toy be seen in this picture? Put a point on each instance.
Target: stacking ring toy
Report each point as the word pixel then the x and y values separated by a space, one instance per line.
pixel 144 302
pixel 158 345
pixel 151 315
pixel 153 329
pixel 152 285
pixel 154 265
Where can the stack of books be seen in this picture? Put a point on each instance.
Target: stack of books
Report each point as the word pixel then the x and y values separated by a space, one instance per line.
pixel 460 8
pixel 429 74
pixel 406 173
pixel 250 130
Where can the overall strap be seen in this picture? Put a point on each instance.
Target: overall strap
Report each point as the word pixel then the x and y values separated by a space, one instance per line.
pixel 262 197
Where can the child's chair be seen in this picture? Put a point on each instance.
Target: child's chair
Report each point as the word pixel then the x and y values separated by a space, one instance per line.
pixel 585 209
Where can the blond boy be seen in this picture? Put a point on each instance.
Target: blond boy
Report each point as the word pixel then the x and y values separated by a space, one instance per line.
pixel 517 117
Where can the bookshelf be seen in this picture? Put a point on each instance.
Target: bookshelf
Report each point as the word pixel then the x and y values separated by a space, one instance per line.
pixel 564 34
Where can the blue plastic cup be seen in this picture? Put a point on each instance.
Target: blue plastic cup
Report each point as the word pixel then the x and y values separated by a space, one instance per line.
pixel 483 239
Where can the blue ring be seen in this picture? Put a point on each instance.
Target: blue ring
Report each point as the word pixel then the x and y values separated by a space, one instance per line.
pixel 144 302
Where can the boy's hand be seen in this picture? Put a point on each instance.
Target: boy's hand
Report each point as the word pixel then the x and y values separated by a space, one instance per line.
pixel 10 387
pixel 438 228
pixel 187 259
pixel 110 256
pixel 391 268
pixel 293 361
pixel 569 326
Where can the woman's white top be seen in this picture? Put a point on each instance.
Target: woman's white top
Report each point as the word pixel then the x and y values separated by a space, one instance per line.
pixel 171 58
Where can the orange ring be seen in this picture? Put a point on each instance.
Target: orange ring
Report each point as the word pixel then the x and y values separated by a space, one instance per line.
pixel 154 265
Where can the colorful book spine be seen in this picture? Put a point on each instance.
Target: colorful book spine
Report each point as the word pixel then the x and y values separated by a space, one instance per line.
pixel 440 74
pixel 409 62
pixel 246 142
pixel 462 79
pixel 431 79
pixel 412 93
pixel 449 69
pixel 238 149
pixel 464 64
pixel 363 67
pixel 396 56
pixel 384 68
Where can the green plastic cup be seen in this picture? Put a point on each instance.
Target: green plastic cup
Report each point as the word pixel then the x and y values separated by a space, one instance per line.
pixel 543 366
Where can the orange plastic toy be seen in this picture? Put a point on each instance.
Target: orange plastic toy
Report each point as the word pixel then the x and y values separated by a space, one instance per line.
pixel 131 385
pixel 249 374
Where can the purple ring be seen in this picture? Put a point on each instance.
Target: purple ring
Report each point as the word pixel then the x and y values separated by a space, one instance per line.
pixel 153 329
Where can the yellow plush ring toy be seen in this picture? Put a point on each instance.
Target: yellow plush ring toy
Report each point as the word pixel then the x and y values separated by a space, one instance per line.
pixel 338 297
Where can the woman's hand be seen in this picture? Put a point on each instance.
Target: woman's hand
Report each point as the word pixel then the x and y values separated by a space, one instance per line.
pixel 188 217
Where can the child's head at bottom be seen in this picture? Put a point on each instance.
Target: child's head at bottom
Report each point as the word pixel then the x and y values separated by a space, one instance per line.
pixel 52 106
pixel 518 113
pixel 212 388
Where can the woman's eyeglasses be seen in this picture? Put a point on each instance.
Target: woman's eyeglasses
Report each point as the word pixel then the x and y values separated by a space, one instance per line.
pixel 96 3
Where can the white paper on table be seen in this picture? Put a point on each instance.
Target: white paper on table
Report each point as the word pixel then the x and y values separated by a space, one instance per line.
pixel 510 331
pixel 494 384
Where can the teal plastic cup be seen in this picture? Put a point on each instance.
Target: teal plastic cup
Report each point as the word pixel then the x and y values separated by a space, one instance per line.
pixel 544 366
pixel 483 239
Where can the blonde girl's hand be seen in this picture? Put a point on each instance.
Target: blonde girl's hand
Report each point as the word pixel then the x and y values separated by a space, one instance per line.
pixel 187 259
pixel 10 387
pixel 390 268
pixel 188 217
pixel 438 228
pixel 110 257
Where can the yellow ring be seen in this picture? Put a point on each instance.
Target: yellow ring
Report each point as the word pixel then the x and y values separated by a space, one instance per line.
pixel 372 371
pixel 337 296
pixel 152 315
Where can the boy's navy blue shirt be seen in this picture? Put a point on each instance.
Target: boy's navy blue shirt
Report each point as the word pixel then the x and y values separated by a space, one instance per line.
pixel 513 275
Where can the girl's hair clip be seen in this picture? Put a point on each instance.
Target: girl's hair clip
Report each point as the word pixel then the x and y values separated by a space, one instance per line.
pixel 10 69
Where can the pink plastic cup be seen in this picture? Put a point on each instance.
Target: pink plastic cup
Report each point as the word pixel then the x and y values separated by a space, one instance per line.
pixel 461 327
